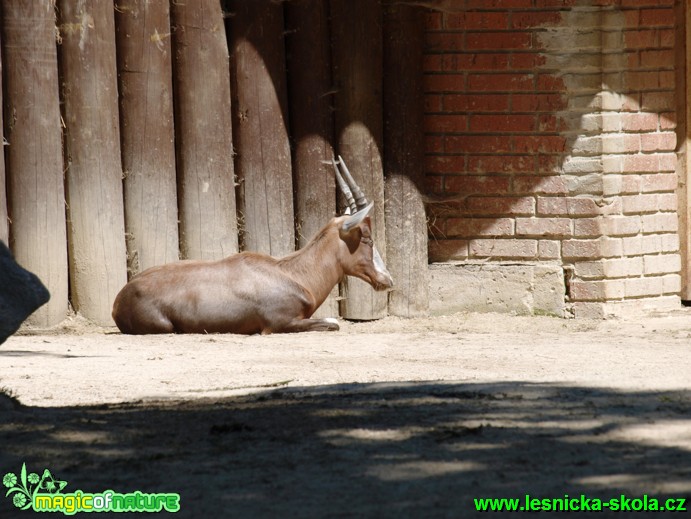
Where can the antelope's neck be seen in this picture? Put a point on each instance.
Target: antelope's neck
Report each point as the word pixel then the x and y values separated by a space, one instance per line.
pixel 316 266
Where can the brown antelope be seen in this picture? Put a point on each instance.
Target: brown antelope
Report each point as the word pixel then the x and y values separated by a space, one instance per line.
pixel 255 293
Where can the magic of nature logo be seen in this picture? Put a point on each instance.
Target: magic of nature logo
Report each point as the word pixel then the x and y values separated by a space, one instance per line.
pixel 44 493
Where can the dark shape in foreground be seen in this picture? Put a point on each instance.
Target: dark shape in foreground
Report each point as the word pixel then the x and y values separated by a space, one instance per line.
pixel 21 293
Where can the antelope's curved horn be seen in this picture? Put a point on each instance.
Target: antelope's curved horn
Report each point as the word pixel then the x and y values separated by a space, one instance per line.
pixel 360 198
pixel 343 186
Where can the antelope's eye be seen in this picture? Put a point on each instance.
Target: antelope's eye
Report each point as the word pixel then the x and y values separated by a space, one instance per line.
pixel 367 241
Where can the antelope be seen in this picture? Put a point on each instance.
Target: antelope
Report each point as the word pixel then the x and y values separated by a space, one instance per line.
pixel 250 293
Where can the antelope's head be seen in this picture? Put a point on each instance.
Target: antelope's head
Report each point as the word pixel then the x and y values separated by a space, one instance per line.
pixel 359 256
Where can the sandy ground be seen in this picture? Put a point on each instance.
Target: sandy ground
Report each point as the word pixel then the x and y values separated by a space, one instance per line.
pixel 395 418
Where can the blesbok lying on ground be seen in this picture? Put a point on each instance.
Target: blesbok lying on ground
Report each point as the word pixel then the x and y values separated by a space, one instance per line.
pixel 21 293
pixel 255 293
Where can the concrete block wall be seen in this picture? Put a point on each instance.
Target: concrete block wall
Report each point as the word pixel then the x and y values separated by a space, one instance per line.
pixel 550 137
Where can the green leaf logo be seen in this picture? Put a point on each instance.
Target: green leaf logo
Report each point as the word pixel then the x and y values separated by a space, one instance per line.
pixel 26 486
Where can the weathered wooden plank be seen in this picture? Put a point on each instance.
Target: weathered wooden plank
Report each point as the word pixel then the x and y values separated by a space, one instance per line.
pixel 4 222
pixel 96 229
pixel 311 122
pixel 147 132
pixel 206 183
pixel 34 155
pixel 406 222
pixel 260 122
pixel 357 68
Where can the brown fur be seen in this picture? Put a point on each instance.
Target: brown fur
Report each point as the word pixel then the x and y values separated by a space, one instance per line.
pixel 249 292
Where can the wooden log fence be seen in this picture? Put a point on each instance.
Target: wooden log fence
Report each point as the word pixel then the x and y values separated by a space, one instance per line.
pixel 197 129
pixel 147 132
pixel 34 159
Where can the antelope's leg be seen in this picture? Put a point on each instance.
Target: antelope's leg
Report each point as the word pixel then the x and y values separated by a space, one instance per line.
pixel 328 324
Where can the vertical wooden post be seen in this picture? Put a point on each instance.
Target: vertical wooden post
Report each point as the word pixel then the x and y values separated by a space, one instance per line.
pixel 98 264
pixel 206 176
pixel 260 121
pixel 4 222
pixel 406 222
pixel 357 67
pixel 147 132
pixel 34 155
pixel 311 122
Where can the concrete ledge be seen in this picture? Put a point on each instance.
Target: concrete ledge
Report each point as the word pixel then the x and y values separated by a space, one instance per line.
pixel 522 289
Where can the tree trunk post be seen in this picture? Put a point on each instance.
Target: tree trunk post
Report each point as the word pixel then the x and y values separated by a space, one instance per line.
pixel 309 81
pixel 357 67
pixel 406 221
pixel 206 176
pixel 34 155
pixel 96 231
pixel 260 121
pixel 147 132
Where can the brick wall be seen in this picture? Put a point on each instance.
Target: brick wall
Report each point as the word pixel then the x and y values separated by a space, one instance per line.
pixel 550 138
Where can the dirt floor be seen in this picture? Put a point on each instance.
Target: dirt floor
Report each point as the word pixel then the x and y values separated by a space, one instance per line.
pixel 395 418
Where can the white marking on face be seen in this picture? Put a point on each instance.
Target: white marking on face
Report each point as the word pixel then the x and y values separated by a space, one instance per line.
pixel 379 263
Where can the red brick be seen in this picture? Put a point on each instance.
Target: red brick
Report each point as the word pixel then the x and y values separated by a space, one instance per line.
pixel 537 102
pixel 476 184
pixel 501 82
pixel 666 141
pixel 434 184
pixel 640 39
pixel 657 17
pixel 527 60
pixel 658 182
pixel 587 290
pixel 550 123
pixel 657 58
pixel 433 103
pixel 668 121
pixel 539 144
pixel 497 4
pixel 445 41
pixel 434 144
pixel 473 20
pixel 486 61
pixel 456 62
pixel 471 227
pixel 432 63
pixel 444 83
pixel 478 144
pixel 580 248
pixel 502 123
pixel 476 103
pixel 550 83
pixel 498 40
pixel 645 80
pixel 433 21
pixel 445 123
pixel 557 185
pixel 657 101
pixel 447 250
pixel 501 163
pixel 667 37
pixel 501 205
pixel 639 122
pixel 543 226
pixel 497 248
pixel 528 19
pixel 445 164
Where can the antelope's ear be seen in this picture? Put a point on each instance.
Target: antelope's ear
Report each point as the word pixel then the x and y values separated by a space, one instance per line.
pixel 357 218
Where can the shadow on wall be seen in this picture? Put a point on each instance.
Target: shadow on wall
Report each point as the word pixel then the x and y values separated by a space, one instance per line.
pixel 566 116
pixel 403 449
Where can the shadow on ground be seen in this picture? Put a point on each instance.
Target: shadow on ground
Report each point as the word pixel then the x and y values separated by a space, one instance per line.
pixel 365 450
